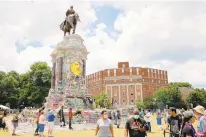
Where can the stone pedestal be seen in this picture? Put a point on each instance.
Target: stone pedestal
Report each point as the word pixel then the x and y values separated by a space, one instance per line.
pixel 68 74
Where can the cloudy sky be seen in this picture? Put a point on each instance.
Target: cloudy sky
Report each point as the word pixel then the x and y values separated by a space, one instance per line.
pixel 163 35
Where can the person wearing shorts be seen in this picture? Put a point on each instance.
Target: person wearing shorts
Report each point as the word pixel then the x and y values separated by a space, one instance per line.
pixel 41 124
pixel 50 119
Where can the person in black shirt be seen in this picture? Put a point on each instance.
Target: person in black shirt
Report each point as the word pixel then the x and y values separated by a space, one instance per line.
pixel 174 122
pixel 187 127
pixel 136 126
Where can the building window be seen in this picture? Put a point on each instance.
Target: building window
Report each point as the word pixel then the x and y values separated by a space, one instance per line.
pixel 137 69
pixel 123 71
pixel 123 93
pixel 108 72
pixel 132 94
pixel 123 101
pixel 122 80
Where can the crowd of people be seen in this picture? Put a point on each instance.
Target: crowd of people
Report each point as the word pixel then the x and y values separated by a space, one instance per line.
pixel 138 124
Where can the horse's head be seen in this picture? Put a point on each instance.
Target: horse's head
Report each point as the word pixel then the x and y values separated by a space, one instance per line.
pixel 77 17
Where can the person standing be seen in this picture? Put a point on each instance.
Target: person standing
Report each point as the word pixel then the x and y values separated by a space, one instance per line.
pixel 104 126
pixel 174 123
pixel 136 126
pixel 50 119
pixel 119 117
pixel 42 122
pixel 37 122
pixel 15 121
pixel 187 127
pixel 61 114
pixel 148 120
pixel 201 124
pixel 70 115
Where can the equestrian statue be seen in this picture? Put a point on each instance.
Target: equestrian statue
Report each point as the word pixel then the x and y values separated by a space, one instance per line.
pixel 70 21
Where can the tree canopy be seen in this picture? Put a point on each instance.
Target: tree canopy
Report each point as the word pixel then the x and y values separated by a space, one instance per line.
pixel 28 89
pixel 197 97
pixel 103 100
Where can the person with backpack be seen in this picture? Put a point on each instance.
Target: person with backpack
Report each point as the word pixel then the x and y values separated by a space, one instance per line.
pixel 187 127
pixel 201 124
pixel 37 122
pixel 136 126
pixel 174 123
pixel 15 121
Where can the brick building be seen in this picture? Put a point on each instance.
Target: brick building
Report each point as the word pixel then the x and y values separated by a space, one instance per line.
pixel 127 84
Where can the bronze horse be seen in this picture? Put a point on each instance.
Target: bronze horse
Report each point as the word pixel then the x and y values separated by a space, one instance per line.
pixel 66 25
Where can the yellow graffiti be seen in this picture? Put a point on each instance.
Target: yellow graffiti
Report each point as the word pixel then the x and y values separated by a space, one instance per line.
pixel 76 68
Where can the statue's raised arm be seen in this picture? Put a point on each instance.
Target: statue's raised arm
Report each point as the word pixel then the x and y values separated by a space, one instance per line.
pixel 70 21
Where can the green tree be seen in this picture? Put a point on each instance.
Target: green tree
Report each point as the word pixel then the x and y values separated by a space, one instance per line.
pixel 103 100
pixel 170 96
pixel 197 97
pixel 3 93
pixel 140 105
pixel 148 103
pixel 10 87
pixel 181 84
pixel 29 88
pixel 37 89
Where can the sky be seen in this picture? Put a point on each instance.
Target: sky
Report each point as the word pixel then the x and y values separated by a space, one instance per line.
pixel 167 35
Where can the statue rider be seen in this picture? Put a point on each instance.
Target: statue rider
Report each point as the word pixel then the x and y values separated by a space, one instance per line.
pixel 71 12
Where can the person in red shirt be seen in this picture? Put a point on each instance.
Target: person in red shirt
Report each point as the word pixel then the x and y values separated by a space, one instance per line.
pixel 37 128
pixel 70 115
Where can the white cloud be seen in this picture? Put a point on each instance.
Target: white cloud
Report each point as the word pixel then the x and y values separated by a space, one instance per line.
pixel 162 35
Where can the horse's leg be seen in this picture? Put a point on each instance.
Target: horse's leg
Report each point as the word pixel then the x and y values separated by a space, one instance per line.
pixel 74 29
pixel 64 33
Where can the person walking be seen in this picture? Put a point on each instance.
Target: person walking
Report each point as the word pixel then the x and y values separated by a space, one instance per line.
pixel 61 114
pixel 37 122
pixel 174 123
pixel 136 126
pixel 187 127
pixel 201 124
pixel 50 119
pixel 119 117
pixel 70 116
pixel 148 120
pixel 42 122
pixel 104 126
pixel 15 121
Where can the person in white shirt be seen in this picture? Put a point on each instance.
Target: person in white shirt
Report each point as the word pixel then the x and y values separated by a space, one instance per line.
pixel 104 126
pixel 148 119
pixel 42 122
